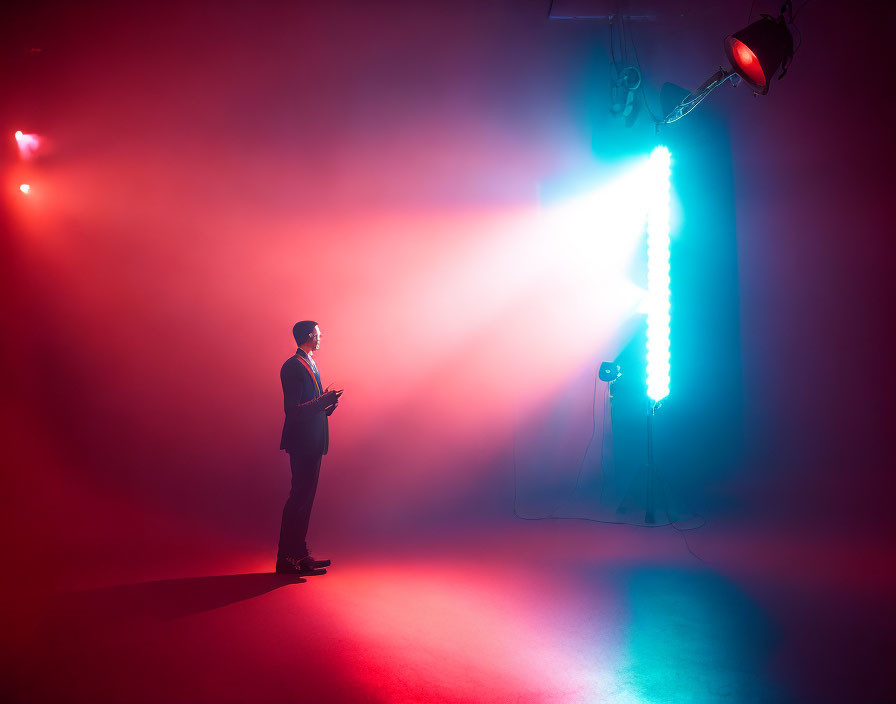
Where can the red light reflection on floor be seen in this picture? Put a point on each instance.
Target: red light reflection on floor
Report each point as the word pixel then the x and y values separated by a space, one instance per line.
pixel 431 632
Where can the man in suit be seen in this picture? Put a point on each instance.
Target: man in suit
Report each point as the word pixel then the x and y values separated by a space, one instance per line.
pixel 306 438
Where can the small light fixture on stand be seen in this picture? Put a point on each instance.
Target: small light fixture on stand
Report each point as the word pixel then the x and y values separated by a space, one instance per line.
pixel 609 371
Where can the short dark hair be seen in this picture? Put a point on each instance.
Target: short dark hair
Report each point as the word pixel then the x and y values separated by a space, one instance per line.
pixel 302 329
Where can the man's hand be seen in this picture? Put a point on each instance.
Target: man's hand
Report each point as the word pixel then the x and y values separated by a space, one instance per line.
pixel 327 401
pixel 332 407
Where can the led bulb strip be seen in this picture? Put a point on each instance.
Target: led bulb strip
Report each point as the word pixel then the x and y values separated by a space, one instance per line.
pixel 658 307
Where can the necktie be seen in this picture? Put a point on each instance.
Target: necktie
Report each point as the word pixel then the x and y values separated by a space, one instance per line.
pixel 316 372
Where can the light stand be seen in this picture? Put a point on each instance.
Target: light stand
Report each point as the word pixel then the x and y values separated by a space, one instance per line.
pixel 649 481
pixel 653 478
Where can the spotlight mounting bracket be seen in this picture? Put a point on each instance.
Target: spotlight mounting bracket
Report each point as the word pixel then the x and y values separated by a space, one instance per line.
pixel 692 100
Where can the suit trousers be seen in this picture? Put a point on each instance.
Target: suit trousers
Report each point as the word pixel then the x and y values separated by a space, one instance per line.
pixel 297 511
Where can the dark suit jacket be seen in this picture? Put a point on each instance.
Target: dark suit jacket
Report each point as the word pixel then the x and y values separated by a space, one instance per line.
pixel 305 431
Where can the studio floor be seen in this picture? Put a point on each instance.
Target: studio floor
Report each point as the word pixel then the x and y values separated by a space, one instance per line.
pixel 559 612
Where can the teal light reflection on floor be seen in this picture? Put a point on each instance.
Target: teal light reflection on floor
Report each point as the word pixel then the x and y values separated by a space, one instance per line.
pixel 695 638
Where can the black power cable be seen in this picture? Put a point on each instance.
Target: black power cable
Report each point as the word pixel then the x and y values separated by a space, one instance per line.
pixel 552 516
pixel 641 70
pixel 805 2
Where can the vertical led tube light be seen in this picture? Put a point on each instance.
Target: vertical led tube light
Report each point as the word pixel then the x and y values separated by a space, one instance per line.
pixel 658 308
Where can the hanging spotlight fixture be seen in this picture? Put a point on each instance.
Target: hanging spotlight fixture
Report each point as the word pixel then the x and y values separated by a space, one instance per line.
pixel 755 52
pixel 758 50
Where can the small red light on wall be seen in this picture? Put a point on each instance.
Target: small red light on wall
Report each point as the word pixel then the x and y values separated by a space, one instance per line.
pixel 25 188
pixel 27 143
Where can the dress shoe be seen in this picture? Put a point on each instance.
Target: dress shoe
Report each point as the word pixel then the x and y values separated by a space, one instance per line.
pixel 297 567
pixel 310 563
pixel 284 567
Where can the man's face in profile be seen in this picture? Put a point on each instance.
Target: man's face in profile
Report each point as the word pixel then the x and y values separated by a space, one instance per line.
pixel 315 338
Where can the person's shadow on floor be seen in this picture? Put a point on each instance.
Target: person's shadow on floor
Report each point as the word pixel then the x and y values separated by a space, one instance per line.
pixel 167 599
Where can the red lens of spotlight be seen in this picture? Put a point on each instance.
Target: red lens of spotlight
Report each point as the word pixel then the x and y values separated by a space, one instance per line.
pixel 747 62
